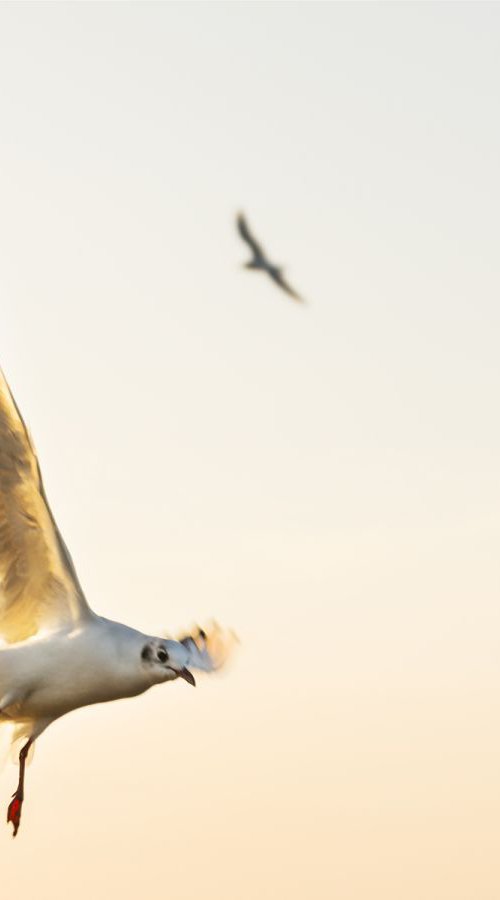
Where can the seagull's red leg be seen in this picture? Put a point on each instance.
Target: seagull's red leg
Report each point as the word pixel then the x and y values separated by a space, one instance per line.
pixel 15 805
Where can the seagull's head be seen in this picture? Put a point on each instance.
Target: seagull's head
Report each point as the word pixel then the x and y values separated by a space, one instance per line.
pixel 165 660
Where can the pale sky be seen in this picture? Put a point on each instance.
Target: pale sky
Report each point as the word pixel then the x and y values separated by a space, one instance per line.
pixel 324 479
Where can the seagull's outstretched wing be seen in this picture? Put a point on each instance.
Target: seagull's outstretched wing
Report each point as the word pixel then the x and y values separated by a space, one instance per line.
pixel 208 650
pixel 247 236
pixel 280 281
pixel 38 584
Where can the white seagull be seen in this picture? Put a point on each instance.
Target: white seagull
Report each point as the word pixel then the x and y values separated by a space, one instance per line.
pixel 56 654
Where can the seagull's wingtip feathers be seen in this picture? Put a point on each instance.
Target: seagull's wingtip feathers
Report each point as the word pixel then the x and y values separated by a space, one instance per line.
pixel 209 648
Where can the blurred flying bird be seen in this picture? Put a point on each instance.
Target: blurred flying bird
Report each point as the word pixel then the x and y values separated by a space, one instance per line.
pixel 260 260
pixel 56 654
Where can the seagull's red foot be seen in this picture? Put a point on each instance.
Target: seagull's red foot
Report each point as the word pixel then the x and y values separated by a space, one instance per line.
pixel 14 812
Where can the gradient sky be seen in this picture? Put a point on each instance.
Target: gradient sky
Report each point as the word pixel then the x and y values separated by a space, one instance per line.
pixel 324 479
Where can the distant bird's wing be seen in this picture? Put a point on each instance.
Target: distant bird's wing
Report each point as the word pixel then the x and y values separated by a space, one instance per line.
pixel 248 237
pixel 278 278
pixel 39 587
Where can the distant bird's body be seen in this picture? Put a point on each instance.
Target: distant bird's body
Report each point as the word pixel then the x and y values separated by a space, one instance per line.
pixel 259 260
pixel 56 654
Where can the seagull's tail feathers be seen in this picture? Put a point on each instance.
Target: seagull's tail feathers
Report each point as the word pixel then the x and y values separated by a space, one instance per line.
pixel 7 729
pixel 209 649
pixel 13 736
pixel 22 733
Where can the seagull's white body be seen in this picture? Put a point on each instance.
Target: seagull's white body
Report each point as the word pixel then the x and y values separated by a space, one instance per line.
pixel 52 675
pixel 56 653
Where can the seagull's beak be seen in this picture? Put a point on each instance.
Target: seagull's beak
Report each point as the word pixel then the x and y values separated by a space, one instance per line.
pixel 187 676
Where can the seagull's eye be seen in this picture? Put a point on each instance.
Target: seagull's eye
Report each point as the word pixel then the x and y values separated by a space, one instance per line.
pixel 162 654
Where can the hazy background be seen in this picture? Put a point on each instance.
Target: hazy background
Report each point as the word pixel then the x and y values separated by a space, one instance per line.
pixel 324 479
